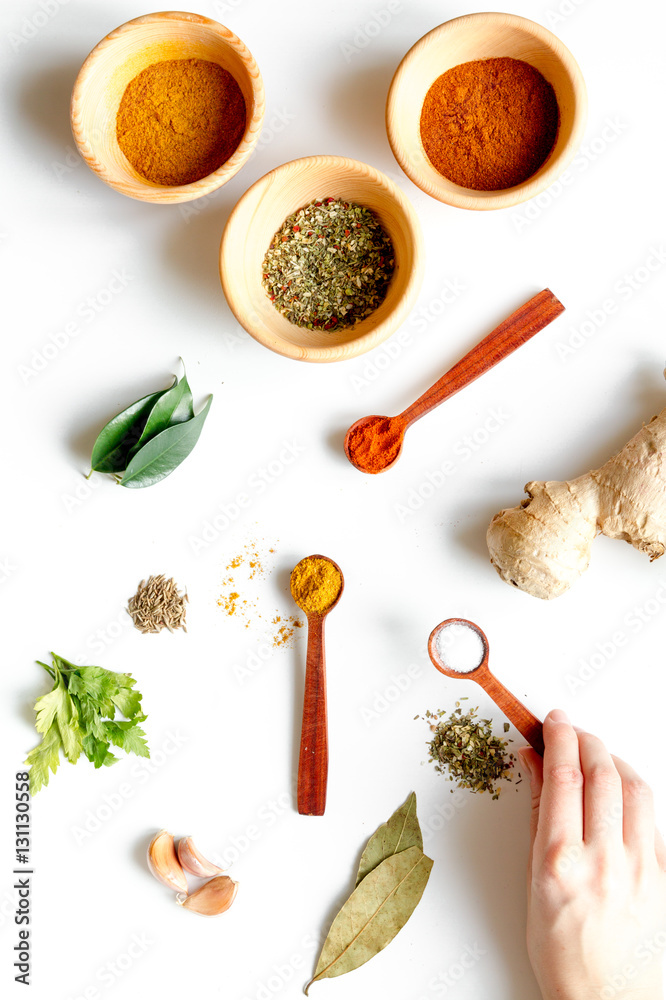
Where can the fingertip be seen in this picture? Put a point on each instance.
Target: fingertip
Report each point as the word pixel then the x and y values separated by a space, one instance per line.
pixel 558 715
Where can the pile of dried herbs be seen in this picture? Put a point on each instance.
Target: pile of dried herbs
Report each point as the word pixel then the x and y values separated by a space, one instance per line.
pixel 464 749
pixel 329 265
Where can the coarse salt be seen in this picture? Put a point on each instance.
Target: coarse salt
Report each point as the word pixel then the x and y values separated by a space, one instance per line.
pixel 459 647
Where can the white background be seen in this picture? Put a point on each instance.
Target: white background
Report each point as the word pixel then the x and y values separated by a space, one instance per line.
pixel 72 553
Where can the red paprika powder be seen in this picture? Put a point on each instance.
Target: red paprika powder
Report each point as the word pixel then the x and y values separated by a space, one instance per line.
pixel 489 124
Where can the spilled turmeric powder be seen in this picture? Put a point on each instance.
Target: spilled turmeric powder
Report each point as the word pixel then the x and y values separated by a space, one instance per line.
pixel 249 565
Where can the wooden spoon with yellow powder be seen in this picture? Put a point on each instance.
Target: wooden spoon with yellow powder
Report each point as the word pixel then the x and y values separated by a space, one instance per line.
pixel 316 586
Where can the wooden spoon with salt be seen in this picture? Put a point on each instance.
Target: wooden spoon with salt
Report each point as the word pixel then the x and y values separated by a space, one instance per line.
pixel 384 435
pixel 313 756
pixel 475 657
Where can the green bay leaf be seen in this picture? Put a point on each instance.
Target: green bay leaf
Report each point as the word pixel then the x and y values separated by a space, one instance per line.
pixel 374 913
pixel 401 831
pixel 173 407
pixel 164 453
pixel 116 438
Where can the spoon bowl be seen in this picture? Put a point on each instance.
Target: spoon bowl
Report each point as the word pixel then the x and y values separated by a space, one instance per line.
pixel 525 722
pixel 435 643
pixel 373 444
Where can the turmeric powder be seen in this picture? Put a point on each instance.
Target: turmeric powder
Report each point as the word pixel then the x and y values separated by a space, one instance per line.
pixel 316 583
pixel 180 119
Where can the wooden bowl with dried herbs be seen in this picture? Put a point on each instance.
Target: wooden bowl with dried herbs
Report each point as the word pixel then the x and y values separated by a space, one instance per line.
pixel 322 259
pixel 486 110
pixel 168 107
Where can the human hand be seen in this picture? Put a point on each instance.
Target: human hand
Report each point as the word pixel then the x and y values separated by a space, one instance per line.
pixel 596 918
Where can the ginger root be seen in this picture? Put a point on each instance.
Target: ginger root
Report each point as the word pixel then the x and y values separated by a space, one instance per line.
pixel 543 545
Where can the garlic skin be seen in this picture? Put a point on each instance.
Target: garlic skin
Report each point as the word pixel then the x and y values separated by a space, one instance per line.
pixel 163 862
pixel 212 898
pixel 193 860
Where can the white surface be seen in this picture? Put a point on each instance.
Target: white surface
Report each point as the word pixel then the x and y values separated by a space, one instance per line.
pixel 68 567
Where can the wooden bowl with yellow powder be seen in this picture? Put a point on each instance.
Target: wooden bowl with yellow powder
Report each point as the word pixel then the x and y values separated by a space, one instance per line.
pixel 260 215
pixel 168 107
pixel 486 111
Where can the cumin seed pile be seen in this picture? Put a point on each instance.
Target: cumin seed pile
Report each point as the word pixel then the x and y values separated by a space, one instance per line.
pixel 157 605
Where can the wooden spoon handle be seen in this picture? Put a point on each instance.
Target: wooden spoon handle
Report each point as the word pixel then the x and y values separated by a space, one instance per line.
pixel 526 723
pixel 313 758
pixel 527 320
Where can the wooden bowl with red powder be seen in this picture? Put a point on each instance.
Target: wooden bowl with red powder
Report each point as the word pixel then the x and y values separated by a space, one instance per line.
pixel 486 111
pixel 193 76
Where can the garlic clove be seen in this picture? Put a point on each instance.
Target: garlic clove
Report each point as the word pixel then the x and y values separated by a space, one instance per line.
pixel 212 898
pixel 163 862
pixel 193 861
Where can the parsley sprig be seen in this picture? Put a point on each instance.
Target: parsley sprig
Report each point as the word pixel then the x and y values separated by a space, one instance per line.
pixel 78 716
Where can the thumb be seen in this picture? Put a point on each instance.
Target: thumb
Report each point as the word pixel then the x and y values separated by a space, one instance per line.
pixel 533 764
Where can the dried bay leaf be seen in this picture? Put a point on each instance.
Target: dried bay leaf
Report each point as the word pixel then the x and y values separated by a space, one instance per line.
pixel 401 831
pixel 374 913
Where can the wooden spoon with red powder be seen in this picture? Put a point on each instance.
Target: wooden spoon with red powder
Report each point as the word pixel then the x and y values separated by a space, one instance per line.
pixel 373 444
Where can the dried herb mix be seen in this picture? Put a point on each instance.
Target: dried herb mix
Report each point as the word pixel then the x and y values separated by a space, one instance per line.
pixel 465 750
pixel 329 265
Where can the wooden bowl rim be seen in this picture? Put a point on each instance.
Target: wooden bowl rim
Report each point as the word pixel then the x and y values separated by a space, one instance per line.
pixel 468 198
pixel 367 341
pixel 173 194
